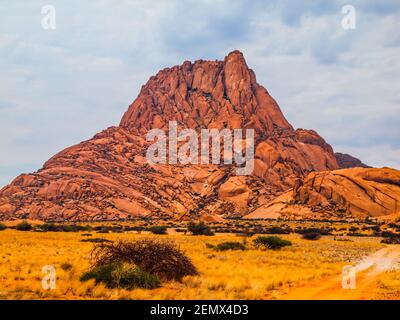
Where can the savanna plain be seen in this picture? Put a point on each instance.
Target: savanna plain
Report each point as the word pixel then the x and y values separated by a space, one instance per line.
pixel 309 268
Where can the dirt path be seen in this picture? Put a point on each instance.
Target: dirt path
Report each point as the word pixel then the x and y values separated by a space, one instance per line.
pixel 367 270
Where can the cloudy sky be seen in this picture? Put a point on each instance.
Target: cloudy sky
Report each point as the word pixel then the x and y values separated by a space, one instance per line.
pixel 59 87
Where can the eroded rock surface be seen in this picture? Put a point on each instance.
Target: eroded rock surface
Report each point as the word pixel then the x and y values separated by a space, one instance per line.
pixel 339 194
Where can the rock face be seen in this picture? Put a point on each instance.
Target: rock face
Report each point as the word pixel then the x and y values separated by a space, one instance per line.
pixel 108 177
pixel 347 161
pixel 339 194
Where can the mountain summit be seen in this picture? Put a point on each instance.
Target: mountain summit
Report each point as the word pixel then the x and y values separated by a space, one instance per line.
pixel 205 94
pixel 108 178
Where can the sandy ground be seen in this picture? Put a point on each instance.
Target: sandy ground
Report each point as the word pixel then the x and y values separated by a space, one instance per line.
pixel 366 272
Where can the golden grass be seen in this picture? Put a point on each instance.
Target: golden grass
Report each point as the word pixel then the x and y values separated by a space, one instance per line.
pixel 250 274
pixel 388 285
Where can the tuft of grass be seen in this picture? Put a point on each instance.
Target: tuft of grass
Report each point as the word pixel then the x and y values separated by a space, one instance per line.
pixel 272 242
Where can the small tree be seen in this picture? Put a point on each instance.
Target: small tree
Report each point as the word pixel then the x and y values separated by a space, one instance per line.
pixel 200 228
pixel 2 226
pixel 272 242
pixel 158 229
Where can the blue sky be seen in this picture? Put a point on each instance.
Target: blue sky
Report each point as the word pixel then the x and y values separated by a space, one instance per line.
pixel 59 87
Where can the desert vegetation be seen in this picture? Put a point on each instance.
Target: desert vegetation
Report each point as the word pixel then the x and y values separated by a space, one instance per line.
pixel 200 228
pixel 272 242
pixel 229 245
pixel 129 261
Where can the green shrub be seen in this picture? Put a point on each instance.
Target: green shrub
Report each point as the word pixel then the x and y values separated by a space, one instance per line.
pixel 102 273
pixel 200 228
pixel 84 228
pixel 229 246
pixel 272 242
pixel 388 234
pixel 122 275
pixel 277 230
pixel 154 256
pixel 2 227
pixel 134 228
pixel 325 232
pixel 311 236
pixel 69 228
pixel 24 226
pixel 49 227
pixel 158 229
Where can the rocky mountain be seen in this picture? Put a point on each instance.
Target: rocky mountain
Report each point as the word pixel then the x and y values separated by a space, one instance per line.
pixel 345 160
pixel 108 177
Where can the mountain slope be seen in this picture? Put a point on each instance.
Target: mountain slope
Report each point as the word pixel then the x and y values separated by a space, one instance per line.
pixel 339 194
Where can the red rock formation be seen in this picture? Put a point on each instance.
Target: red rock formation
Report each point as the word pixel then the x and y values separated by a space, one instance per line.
pixel 339 194
pixel 347 161
pixel 107 177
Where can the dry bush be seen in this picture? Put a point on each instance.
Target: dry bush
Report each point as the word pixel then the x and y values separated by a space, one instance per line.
pixel 24 226
pixel 157 257
pixel 200 229
pixel 311 236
